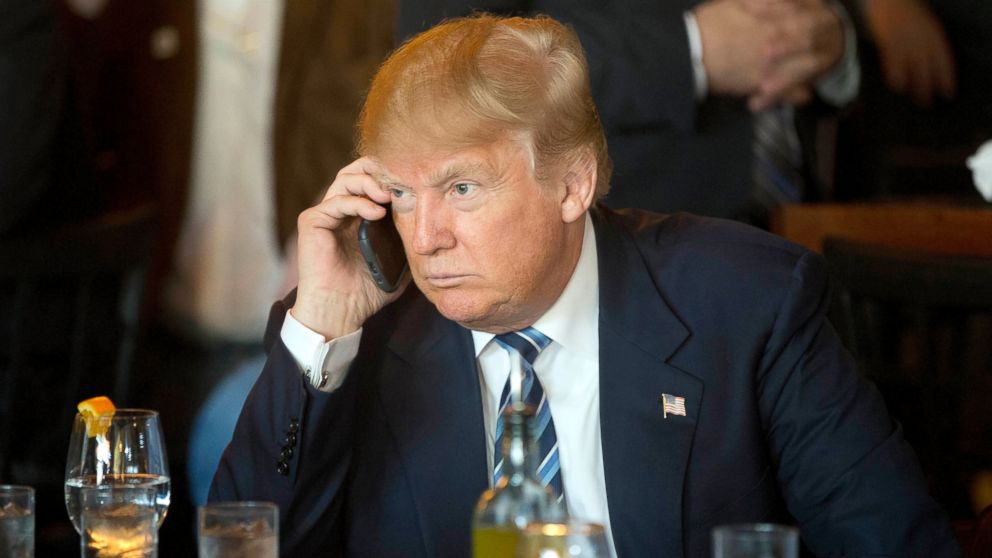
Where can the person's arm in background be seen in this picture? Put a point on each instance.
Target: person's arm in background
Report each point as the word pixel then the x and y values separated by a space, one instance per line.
pixel 642 69
pixel 774 51
pixel 639 63
pixel 917 59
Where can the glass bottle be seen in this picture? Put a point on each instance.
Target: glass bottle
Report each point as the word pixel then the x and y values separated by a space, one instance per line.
pixel 519 498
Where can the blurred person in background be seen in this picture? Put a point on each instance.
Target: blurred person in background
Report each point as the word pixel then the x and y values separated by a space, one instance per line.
pixel 43 178
pixel 925 106
pixel 694 95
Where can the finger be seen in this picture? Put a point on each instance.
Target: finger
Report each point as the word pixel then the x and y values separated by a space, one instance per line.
pixel 798 95
pixel 332 213
pixel 945 72
pixel 920 83
pixel 358 179
pixel 894 70
pixel 796 71
pixel 816 31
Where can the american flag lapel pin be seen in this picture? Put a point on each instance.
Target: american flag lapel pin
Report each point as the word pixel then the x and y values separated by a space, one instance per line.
pixel 672 404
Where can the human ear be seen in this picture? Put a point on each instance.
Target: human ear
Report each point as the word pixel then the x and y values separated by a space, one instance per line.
pixel 580 187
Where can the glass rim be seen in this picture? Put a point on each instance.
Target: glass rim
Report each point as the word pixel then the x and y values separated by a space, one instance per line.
pixel 238 505
pixel 756 528
pixel 127 412
pixel 16 489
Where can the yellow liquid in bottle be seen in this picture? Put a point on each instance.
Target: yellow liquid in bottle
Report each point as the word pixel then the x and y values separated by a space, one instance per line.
pixel 495 542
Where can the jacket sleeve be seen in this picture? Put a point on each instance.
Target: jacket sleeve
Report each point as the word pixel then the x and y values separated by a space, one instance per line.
pixel 292 446
pixel 848 476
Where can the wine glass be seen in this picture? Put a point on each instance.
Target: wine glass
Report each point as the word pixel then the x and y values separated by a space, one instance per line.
pixel 126 448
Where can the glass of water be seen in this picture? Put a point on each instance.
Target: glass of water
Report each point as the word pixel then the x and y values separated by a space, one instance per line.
pixel 16 521
pixel 126 449
pixel 755 540
pixel 235 529
pixel 119 521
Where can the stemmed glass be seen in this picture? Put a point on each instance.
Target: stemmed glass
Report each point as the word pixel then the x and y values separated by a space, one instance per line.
pixel 126 448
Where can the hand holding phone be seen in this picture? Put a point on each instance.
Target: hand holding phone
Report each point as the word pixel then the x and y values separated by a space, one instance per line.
pixel 334 295
pixel 382 250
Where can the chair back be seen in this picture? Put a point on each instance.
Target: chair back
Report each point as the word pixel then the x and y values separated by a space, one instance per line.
pixel 920 325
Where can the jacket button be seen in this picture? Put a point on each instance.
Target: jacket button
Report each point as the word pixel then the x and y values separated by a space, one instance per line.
pixel 287 453
pixel 282 468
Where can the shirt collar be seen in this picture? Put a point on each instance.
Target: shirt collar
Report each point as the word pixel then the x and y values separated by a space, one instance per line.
pixel 572 319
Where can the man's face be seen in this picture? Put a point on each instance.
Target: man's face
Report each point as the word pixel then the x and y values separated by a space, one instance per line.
pixel 487 243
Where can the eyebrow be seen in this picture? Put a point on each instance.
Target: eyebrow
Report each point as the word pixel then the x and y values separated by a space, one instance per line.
pixel 458 170
pixel 438 179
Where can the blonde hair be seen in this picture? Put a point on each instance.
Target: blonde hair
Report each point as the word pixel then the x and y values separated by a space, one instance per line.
pixel 480 79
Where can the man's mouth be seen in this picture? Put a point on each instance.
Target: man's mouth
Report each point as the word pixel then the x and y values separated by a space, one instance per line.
pixel 445 280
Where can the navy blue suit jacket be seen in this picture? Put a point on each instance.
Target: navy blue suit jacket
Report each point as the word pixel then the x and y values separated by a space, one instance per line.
pixel 779 425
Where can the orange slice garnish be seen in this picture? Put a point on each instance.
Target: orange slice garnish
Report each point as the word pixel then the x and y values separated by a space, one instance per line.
pixel 97 412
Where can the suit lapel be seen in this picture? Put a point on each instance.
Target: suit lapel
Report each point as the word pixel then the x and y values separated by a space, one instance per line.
pixel 644 453
pixel 432 402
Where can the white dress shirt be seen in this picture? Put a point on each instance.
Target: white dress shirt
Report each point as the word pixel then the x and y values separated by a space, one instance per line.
pixel 568 369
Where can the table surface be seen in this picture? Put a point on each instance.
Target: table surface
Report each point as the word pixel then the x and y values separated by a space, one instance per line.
pixel 929 226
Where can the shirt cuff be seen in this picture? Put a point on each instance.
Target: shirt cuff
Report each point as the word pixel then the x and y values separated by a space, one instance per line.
pixel 840 85
pixel 696 55
pixel 324 363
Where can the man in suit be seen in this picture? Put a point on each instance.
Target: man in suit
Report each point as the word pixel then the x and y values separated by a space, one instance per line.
pixel 372 424
pixel 680 84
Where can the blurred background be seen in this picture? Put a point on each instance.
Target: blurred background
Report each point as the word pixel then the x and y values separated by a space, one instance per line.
pixel 154 156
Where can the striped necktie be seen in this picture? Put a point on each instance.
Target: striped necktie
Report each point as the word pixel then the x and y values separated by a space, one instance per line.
pixel 526 344
pixel 777 173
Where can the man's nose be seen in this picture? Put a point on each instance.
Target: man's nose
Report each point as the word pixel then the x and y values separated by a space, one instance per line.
pixel 431 228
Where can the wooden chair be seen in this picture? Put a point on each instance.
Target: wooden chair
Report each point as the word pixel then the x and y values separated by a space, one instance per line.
pixel 920 324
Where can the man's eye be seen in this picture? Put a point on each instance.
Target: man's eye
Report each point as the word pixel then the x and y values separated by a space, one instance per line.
pixel 464 188
pixel 396 193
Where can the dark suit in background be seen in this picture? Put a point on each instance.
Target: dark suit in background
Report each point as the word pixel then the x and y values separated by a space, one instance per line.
pixel 670 151
pixel 780 426
pixel 44 181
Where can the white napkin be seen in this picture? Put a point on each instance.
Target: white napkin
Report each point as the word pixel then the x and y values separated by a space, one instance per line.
pixel 981 168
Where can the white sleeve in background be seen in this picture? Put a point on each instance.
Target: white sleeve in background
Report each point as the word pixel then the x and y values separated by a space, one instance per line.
pixel 325 363
pixel 696 55
pixel 840 85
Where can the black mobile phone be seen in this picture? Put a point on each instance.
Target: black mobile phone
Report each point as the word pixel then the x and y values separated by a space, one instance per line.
pixel 382 250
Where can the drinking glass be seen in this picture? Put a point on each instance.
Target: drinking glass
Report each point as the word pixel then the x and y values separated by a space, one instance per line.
pixel 126 449
pixel 119 521
pixel 755 540
pixel 236 529
pixel 564 540
pixel 16 521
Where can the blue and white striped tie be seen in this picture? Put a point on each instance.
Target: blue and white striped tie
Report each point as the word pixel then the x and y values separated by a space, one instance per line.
pixel 527 344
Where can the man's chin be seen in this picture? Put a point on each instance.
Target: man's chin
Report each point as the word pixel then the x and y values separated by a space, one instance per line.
pixel 465 310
